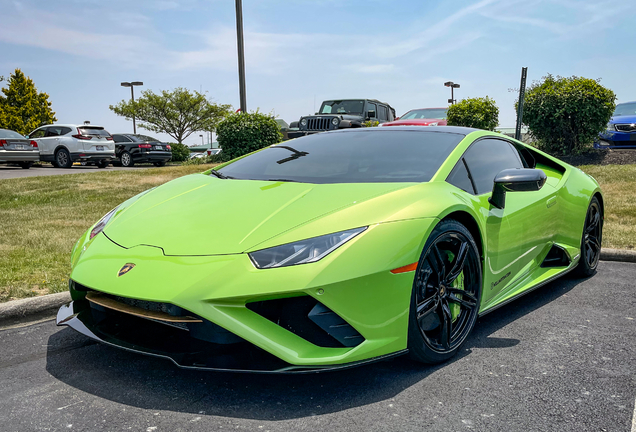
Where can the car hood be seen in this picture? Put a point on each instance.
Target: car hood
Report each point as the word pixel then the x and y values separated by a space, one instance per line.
pixel 415 122
pixel 204 215
pixel 623 119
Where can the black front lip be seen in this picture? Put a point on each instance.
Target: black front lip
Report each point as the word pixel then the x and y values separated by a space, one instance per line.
pixel 77 315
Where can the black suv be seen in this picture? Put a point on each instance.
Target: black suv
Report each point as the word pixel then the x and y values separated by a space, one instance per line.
pixel 343 113
pixel 135 148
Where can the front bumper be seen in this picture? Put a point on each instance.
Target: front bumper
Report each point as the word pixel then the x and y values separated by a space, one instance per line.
pixel 183 351
pixel 616 140
pixel 356 285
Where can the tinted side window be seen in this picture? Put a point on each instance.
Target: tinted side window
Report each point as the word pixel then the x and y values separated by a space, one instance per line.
pixel 486 158
pixel 38 133
pixel 382 114
pixel 459 177
pixel 120 139
pixel 372 107
pixel 65 130
pixel 56 131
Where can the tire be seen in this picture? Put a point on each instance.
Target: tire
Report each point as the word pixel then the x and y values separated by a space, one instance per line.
pixel 126 159
pixel 102 164
pixel 159 164
pixel 55 165
pixel 26 165
pixel 63 158
pixel 446 294
pixel 591 240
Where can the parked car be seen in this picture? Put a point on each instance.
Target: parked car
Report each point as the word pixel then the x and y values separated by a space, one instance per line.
pixel 342 114
pixel 197 155
pixel 421 117
pixel 621 129
pixel 14 148
pixel 137 148
pixel 63 144
pixel 213 151
pixel 332 252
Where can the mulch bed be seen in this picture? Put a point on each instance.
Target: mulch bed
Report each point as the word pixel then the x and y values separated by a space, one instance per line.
pixel 602 157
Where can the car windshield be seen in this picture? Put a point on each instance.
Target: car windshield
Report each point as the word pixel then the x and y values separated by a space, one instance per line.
pixel 625 109
pixel 428 113
pixel 93 131
pixel 143 138
pixel 342 107
pixel 10 134
pixel 369 156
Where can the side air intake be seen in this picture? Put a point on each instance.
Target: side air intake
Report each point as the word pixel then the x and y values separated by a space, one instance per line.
pixel 557 257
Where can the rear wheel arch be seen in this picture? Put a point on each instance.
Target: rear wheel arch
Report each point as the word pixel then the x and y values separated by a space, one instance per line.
pixel 60 147
pixel 599 197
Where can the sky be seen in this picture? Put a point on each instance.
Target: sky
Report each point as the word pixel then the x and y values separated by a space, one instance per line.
pixel 299 52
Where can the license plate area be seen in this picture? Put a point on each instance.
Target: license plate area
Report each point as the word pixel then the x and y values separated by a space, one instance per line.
pixel 99 148
pixel 20 147
pixel 158 148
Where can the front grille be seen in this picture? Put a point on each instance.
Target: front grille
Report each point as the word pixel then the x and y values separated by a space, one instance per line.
pixel 626 127
pixel 320 123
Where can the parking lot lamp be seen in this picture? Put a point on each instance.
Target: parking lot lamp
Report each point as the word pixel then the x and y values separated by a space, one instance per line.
pixel 201 139
pixel 452 86
pixel 132 96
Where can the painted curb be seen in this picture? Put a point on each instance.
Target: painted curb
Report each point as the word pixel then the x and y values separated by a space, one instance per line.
pixel 18 309
pixel 618 255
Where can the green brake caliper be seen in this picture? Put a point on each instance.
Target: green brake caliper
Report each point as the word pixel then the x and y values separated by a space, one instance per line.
pixel 458 283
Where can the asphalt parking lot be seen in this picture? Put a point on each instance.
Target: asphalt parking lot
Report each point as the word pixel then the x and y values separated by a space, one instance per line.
pixel 10 171
pixel 563 358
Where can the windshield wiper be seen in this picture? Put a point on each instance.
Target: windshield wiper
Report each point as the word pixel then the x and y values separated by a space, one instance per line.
pixel 284 180
pixel 219 175
pixel 296 154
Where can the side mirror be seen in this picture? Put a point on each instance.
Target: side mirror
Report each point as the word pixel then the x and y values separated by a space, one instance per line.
pixel 370 114
pixel 293 124
pixel 515 180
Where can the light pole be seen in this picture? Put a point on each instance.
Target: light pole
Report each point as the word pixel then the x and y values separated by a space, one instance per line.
pixel 202 143
pixel 132 96
pixel 241 54
pixel 452 86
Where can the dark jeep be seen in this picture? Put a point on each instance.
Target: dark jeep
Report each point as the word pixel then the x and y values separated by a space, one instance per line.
pixel 343 113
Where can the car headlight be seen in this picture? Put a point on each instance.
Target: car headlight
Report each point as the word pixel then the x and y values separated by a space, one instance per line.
pixel 335 121
pixel 302 252
pixel 303 122
pixel 99 226
pixel 611 127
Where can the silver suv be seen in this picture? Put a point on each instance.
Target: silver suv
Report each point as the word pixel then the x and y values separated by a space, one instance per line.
pixel 63 144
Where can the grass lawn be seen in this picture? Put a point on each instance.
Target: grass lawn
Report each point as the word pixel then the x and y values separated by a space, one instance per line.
pixel 42 217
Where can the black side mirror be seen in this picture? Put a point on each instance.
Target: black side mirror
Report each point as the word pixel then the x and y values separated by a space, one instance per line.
pixel 370 114
pixel 293 124
pixel 515 180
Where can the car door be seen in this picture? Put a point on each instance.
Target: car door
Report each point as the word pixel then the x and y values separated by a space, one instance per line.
pixel 517 234
pixel 52 137
pixel 37 136
pixel 372 111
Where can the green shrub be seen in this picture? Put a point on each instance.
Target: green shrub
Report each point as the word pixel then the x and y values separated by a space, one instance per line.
pixel 180 152
pixel 371 123
pixel 565 115
pixel 242 133
pixel 480 113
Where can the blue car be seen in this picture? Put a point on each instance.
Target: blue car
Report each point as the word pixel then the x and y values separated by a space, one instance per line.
pixel 621 129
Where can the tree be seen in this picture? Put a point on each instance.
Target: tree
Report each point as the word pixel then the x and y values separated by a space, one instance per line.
pixel 565 115
pixel 22 107
pixel 243 133
pixel 178 113
pixel 480 113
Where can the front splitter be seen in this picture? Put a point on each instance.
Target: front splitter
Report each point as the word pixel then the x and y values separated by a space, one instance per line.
pixel 244 358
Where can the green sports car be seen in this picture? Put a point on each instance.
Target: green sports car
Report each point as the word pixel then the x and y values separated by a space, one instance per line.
pixel 333 250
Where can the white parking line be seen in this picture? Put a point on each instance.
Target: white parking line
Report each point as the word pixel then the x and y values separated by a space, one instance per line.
pixel 634 418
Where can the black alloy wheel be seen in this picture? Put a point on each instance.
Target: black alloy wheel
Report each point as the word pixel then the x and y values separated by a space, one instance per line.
pixel 102 164
pixel 126 159
pixel 160 164
pixel 63 158
pixel 446 294
pixel 26 165
pixel 591 240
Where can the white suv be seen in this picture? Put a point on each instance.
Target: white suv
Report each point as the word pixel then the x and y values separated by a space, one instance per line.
pixel 63 144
